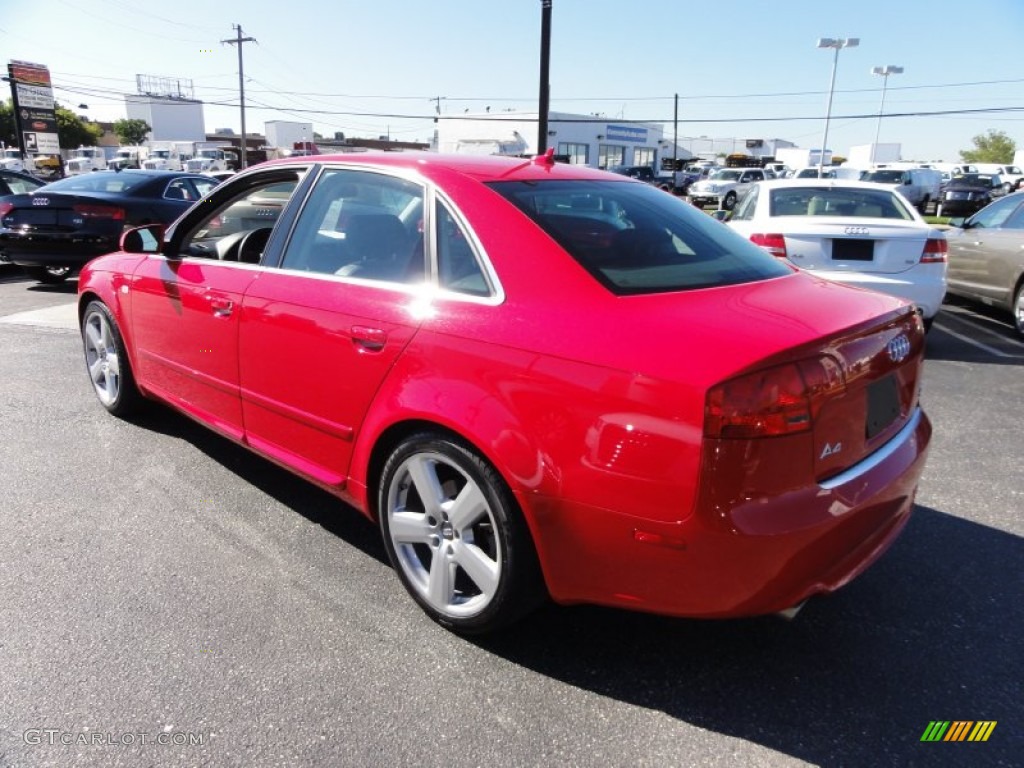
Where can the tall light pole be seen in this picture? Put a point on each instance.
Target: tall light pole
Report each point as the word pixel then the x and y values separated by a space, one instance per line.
pixel 838 44
pixel 889 69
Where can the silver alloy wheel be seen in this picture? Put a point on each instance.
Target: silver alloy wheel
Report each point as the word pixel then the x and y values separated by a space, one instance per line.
pixel 101 357
pixel 60 272
pixel 444 535
pixel 1018 310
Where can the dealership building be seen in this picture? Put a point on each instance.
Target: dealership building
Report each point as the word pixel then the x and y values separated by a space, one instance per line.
pixel 583 139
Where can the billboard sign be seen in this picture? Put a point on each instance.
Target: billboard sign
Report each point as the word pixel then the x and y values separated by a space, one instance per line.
pixel 32 95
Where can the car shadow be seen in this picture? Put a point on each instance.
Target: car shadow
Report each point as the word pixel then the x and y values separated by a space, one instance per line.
pixel 932 631
pixel 69 286
pixel 315 504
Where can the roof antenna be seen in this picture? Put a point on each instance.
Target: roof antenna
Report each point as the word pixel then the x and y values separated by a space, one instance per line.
pixel 547 159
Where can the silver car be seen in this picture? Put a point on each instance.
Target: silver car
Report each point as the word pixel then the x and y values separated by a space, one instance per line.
pixel 986 257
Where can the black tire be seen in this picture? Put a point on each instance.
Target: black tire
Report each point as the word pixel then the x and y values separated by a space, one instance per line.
pixel 49 275
pixel 107 363
pixel 1018 309
pixel 488 537
pixel 729 201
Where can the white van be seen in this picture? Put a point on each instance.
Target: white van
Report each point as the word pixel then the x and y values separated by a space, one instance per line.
pixel 920 186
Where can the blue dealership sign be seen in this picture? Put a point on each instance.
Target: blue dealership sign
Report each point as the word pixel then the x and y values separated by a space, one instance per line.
pixel 626 133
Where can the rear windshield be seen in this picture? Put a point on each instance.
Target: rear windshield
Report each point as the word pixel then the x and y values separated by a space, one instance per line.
pixel 883 177
pixel 99 182
pixel 635 238
pixel 854 202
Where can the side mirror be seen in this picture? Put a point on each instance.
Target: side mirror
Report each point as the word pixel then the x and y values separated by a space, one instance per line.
pixel 720 215
pixel 147 239
pixel 958 221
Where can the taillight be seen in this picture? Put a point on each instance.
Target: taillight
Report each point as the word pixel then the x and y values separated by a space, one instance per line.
pixel 935 249
pixel 783 400
pixel 99 211
pixel 5 208
pixel 774 244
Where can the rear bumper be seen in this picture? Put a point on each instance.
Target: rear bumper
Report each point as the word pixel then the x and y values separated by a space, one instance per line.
pixel 759 557
pixel 50 250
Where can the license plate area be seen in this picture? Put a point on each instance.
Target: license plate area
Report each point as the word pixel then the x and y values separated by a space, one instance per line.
pixel 35 217
pixel 853 249
pixel 883 405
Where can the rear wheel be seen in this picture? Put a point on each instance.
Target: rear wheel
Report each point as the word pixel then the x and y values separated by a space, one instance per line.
pixel 49 275
pixel 107 361
pixel 455 535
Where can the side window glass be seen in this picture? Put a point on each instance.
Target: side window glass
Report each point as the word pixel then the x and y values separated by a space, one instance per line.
pixel 180 189
pixel 238 229
pixel 995 214
pixel 458 268
pixel 1016 220
pixel 360 224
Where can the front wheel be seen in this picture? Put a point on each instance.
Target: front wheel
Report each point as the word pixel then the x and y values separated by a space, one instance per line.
pixel 49 275
pixel 456 536
pixel 107 361
pixel 729 202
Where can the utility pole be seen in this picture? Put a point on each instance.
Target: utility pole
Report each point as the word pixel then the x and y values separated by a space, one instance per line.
pixel 241 83
pixel 545 87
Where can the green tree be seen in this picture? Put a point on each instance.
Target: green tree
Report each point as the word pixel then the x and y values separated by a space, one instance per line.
pixel 8 134
pixel 73 132
pixel 994 147
pixel 131 131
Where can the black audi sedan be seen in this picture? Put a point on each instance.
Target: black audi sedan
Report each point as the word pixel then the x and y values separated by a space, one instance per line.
pixel 53 231
pixel 968 193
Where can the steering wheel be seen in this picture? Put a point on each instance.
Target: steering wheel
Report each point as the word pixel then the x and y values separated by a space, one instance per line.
pixel 250 247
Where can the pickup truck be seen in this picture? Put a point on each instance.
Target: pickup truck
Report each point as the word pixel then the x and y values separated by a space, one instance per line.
pixel 726 187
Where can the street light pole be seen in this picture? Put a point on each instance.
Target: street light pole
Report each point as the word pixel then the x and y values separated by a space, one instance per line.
pixel 890 69
pixel 838 44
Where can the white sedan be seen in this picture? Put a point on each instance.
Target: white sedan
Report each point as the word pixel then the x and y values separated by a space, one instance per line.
pixel 853 232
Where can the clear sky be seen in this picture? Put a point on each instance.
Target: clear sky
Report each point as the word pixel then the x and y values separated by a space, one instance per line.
pixel 743 69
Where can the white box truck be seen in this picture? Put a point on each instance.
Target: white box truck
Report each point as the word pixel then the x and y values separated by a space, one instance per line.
pixel 169 155
pixel 85 160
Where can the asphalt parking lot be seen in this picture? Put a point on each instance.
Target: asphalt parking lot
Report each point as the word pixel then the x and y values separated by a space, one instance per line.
pixel 157 579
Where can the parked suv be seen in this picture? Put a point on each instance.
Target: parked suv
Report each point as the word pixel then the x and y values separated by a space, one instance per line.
pixel 969 193
pixel 726 187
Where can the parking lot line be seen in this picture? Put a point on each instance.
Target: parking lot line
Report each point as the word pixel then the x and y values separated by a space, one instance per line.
pixel 974 342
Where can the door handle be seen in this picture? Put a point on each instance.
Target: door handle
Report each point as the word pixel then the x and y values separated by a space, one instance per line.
pixel 221 307
pixel 371 339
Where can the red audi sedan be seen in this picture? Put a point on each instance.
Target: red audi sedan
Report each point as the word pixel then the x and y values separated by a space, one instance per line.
pixel 540 380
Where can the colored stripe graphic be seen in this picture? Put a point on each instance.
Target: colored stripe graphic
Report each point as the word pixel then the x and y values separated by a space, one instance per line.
pixel 982 730
pixel 958 730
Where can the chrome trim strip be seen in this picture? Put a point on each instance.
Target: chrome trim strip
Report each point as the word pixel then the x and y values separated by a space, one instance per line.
pixel 876 458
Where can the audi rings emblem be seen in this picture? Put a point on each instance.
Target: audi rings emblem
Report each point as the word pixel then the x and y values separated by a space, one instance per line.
pixel 898 348
pixel 856 230
pixel 40 201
